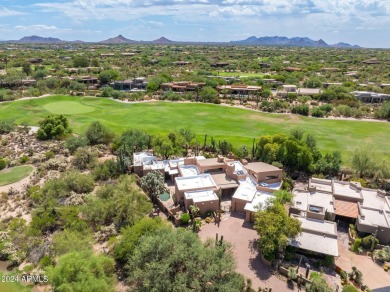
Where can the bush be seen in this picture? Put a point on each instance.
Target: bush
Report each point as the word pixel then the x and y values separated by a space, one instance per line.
pixel 84 158
pixel 316 112
pixel 7 126
pixel 106 170
pixel 45 262
pixel 356 244
pixel 185 218
pixel 368 240
pixel 24 159
pixel 344 275
pixel 383 254
pixel 53 127
pixel 349 288
pixel 98 134
pixel 301 110
pixel 73 143
pixel 3 163
pixel 208 220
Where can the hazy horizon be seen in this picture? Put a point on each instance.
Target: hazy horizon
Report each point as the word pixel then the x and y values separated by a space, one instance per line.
pixel 363 23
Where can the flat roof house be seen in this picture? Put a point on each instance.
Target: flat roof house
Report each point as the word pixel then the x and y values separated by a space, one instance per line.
pixel 145 162
pixel 317 236
pixel 206 200
pixel 371 97
pixel 184 184
pixel 328 199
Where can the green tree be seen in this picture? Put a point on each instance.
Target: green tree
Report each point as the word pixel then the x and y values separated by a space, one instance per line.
pixel 82 272
pixel 26 68
pixel 208 94
pixel 318 284
pixel 80 61
pixel 177 260
pixel 69 240
pixel 53 127
pixel 98 134
pixel 283 196
pixel 363 162
pixel 275 228
pixel 153 184
pixel 134 140
pixel 107 76
pixel 131 235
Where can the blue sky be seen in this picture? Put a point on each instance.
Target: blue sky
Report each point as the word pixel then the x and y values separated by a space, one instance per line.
pixel 362 22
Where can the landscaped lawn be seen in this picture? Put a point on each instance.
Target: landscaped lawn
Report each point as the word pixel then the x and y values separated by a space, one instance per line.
pixel 239 126
pixel 14 174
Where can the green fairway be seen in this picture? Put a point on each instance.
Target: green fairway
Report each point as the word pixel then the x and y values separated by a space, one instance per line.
pixel 239 126
pixel 67 108
pixel 14 174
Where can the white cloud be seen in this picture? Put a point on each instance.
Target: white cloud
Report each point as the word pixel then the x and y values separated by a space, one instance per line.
pixel 4 12
pixel 40 27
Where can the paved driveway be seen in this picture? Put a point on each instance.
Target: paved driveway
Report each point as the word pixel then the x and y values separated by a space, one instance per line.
pixel 243 237
pixel 373 275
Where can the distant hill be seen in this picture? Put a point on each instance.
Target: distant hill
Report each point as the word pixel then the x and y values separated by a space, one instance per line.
pixel 162 40
pixel 285 41
pixel 38 39
pixel 120 39
pixel 252 41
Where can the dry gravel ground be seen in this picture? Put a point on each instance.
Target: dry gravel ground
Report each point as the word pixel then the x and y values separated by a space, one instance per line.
pixel 243 237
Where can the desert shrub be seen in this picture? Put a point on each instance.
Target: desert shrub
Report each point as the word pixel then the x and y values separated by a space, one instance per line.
pixel 6 126
pixel 49 154
pixel 350 288
pixel 185 218
pixel 53 127
pixel 106 170
pixel 24 159
pixel 343 275
pixel 3 163
pixel 383 254
pixel 208 219
pixel 45 262
pixel 301 110
pixel 73 143
pixel 69 240
pixel 316 112
pixel 84 158
pixel 368 240
pixel 356 244
pixel 98 134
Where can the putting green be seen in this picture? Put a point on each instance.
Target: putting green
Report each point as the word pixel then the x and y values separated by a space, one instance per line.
pixel 14 174
pixel 67 108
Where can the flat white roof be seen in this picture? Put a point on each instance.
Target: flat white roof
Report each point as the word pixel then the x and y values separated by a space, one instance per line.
pixel 259 200
pixel 316 242
pixel 344 189
pixel 174 163
pixel 246 190
pixel 195 182
pixel 302 199
pixel 327 227
pixel 324 185
pixel 375 217
pixel 238 167
pixel 201 196
pixel 373 200
pixel 188 170
pixel 154 164
pixel 140 157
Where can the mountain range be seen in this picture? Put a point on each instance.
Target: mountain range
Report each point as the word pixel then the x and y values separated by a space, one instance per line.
pixel 252 41
pixel 290 42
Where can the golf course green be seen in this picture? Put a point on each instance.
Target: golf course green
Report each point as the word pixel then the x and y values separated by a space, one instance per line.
pixel 14 174
pixel 239 126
